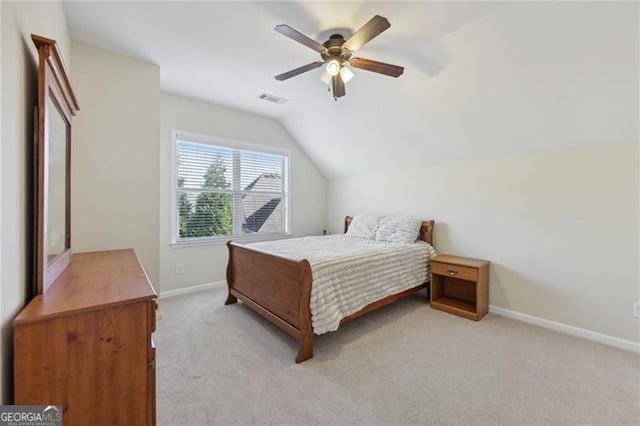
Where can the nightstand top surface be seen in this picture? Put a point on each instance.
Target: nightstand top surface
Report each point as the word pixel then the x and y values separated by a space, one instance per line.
pixel 461 261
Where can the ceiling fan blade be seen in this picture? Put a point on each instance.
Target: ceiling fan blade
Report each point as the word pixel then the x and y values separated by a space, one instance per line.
pixel 368 32
pixel 337 84
pixel 299 37
pixel 299 70
pixel 375 66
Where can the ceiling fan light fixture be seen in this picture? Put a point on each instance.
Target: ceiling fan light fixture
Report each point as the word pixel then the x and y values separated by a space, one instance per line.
pixel 326 78
pixel 346 74
pixel 333 67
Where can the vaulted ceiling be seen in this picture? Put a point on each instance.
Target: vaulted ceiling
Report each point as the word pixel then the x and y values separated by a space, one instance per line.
pixel 482 79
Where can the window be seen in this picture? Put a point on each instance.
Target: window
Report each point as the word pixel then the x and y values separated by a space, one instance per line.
pixel 228 189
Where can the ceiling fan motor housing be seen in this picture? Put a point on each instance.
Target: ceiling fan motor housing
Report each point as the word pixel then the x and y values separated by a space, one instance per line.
pixel 335 49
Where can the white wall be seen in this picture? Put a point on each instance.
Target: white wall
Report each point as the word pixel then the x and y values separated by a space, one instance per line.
pixel 19 97
pixel 114 181
pixel 560 227
pixel 207 264
pixel 524 149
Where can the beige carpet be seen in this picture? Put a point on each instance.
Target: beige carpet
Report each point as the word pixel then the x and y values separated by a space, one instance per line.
pixel 404 364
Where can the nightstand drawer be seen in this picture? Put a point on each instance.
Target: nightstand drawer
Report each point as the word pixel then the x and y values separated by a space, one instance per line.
pixel 454 271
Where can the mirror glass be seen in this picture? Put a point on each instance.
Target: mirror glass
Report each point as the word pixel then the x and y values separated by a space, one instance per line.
pixel 55 214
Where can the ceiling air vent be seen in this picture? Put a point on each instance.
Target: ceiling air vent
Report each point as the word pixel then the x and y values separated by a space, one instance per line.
pixel 272 98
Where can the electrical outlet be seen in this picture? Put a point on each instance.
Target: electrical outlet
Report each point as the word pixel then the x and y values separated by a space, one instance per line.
pixel 636 309
pixel 179 268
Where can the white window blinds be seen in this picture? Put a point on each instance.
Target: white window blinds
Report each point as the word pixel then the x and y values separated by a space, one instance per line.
pixel 225 190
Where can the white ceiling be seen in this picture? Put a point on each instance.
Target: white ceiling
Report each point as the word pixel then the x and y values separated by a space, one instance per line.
pixel 482 79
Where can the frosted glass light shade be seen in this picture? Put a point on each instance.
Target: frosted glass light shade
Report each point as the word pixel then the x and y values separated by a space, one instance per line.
pixel 333 67
pixel 346 74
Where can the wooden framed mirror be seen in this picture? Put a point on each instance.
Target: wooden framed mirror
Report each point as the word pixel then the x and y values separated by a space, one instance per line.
pixel 56 105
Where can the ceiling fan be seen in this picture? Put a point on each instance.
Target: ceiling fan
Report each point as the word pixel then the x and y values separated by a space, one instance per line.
pixel 336 54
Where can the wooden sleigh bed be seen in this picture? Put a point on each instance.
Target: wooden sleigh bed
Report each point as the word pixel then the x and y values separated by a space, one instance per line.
pixel 279 289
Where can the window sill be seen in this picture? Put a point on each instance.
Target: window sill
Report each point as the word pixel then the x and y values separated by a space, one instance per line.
pixel 243 239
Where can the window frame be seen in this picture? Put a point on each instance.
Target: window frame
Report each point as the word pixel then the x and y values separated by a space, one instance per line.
pixel 233 144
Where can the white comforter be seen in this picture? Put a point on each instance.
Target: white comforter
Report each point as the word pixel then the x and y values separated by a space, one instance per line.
pixel 349 273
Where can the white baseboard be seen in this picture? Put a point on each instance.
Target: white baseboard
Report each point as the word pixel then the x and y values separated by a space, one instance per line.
pixel 192 289
pixel 616 342
pixel 568 329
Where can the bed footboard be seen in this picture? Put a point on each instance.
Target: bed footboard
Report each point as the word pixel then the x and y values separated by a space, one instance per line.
pixel 277 288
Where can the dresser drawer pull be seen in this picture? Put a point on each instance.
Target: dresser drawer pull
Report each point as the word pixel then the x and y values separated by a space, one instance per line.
pixel 452 271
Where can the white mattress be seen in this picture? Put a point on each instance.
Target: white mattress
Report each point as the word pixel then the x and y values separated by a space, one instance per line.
pixel 349 272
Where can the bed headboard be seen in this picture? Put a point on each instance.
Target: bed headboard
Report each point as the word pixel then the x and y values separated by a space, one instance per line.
pixel 426 230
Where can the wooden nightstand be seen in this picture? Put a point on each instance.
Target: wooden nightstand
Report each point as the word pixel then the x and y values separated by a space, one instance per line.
pixel 460 286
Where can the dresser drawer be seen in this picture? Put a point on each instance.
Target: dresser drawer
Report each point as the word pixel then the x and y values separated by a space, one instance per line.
pixel 455 271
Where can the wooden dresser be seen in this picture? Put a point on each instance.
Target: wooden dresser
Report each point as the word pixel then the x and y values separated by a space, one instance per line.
pixel 86 343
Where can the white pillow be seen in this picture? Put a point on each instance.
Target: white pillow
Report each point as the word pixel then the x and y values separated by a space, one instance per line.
pixel 398 229
pixel 363 226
